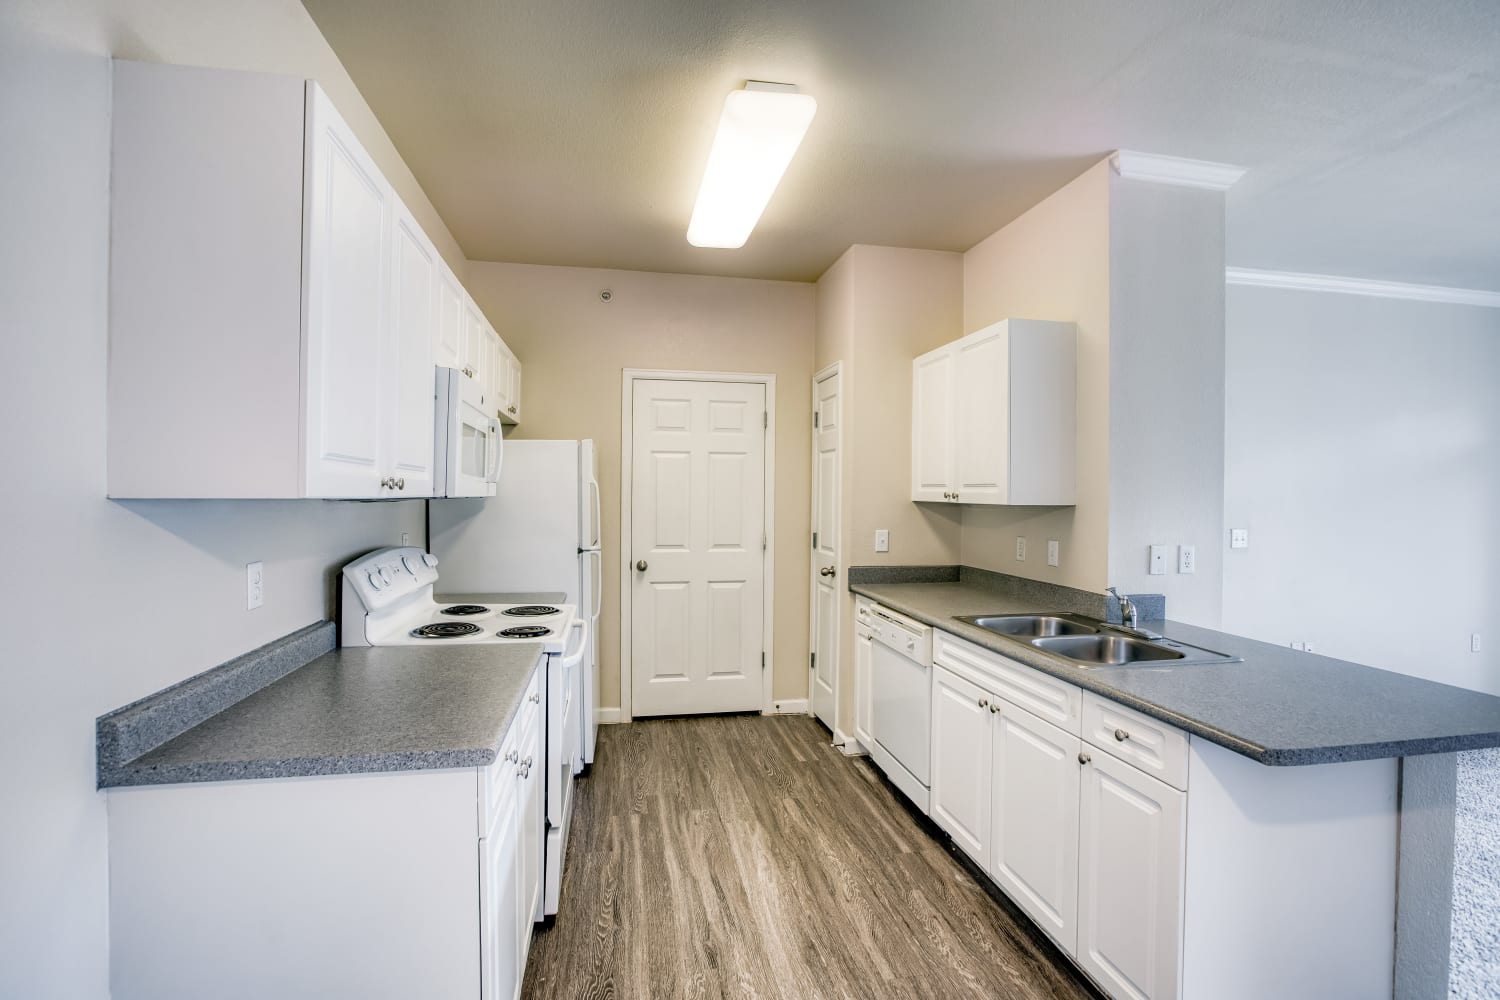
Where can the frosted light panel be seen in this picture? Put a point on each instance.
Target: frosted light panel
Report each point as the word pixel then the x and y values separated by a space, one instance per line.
pixel 759 132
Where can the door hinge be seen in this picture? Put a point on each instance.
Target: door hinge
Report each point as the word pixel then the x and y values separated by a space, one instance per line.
pixel 812 661
pixel 815 418
pixel 763 543
pixel 765 418
pixel 763 659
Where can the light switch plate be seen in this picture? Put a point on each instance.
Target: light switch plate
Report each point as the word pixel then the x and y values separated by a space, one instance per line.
pixel 1158 560
pixel 1020 549
pixel 1053 552
pixel 882 540
pixel 1239 538
pixel 255 585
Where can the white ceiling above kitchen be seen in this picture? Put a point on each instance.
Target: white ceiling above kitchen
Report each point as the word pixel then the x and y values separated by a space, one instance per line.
pixel 575 131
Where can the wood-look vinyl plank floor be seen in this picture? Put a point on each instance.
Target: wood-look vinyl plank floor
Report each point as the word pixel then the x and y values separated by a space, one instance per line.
pixel 743 856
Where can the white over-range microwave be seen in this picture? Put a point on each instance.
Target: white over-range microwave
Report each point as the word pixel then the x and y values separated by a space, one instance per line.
pixel 468 439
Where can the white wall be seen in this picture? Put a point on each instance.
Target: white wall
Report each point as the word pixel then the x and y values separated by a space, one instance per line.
pixel 1363 454
pixel 106 602
pixel 1166 392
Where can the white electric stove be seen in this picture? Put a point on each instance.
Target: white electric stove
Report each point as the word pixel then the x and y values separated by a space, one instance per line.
pixel 386 600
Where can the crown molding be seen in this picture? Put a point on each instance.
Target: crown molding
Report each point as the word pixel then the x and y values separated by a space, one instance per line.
pixel 1175 170
pixel 1361 286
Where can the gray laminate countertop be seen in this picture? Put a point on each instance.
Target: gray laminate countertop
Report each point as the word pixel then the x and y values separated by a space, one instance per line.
pixel 1278 706
pixel 355 709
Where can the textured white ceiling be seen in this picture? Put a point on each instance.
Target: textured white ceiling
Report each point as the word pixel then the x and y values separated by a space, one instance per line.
pixel 574 131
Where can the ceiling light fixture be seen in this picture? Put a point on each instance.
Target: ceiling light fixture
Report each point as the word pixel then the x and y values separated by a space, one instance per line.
pixel 759 131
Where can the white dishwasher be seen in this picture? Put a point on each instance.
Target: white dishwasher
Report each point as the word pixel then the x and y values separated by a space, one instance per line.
pixel 901 697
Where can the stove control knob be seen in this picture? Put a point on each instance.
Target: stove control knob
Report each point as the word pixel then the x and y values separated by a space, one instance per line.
pixel 429 559
pixel 375 583
pixel 385 576
pixel 411 564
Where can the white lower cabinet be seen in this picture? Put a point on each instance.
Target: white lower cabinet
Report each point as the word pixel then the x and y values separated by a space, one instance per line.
pixel 1034 819
pixel 1130 873
pixel 863 704
pixel 962 731
pixel 383 886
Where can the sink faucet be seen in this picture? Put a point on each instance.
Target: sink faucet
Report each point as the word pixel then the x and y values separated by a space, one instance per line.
pixel 1128 613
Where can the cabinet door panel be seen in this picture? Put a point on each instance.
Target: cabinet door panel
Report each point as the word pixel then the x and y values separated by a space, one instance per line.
pixel 414 311
pixel 448 347
pixel 1130 880
pixel 347 231
pixel 932 426
pixel 981 454
pixel 961 726
pixel 862 701
pixel 1034 820
pixel 499 898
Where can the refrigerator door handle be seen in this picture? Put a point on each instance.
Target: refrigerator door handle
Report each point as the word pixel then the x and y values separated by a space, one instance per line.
pixel 593 543
pixel 598 584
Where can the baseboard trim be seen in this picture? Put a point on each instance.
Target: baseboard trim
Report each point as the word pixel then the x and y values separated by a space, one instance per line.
pixel 789 706
pixel 609 716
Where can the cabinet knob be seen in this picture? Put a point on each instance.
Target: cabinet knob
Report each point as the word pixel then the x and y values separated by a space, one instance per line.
pixel 1121 735
pixel 1084 758
pixel 401 483
pixel 994 707
pixel 513 756
pixel 955 496
pixel 536 698
pixel 512 409
pixel 388 483
pixel 984 702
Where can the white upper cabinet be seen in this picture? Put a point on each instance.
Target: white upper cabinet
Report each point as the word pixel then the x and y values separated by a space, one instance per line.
pixel 994 417
pixel 448 344
pixel 349 356
pixel 275 311
pixel 508 375
pixel 415 283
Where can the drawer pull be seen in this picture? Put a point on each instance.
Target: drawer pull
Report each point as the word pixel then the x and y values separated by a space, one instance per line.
pixel 513 756
pixel 1084 758
pixel 984 702
pixel 1121 735
pixel 536 698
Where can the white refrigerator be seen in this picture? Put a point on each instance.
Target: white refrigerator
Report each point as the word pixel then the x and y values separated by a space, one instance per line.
pixel 539 532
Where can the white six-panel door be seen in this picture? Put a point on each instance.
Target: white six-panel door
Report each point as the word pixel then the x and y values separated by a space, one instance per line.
pixel 347 231
pixel 826 590
pixel 697 546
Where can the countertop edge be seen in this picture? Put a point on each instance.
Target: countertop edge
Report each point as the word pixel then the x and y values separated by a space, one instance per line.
pixel 1268 755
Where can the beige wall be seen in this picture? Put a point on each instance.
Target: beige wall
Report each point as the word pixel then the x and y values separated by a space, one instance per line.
pixel 573 349
pixel 878 308
pixel 1052 263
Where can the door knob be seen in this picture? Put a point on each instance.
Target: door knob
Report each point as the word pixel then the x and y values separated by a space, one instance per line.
pixel 641 565
pixel 827 571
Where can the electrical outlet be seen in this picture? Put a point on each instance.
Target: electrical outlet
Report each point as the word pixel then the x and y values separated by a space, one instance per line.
pixel 1020 549
pixel 882 540
pixel 1298 646
pixel 1187 559
pixel 1158 560
pixel 1239 538
pixel 255 585
pixel 1474 643
pixel 1053 552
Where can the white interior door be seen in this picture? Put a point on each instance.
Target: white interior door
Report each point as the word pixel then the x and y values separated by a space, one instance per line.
pixel 697 546
pixel 828 428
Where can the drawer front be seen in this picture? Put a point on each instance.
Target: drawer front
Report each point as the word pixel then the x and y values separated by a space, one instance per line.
pixel 1154 747
pixel 498 781
pixel 1046 697
pixel 864 612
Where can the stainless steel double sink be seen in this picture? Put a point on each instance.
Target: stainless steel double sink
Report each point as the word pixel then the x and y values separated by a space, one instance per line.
pixel 1087 642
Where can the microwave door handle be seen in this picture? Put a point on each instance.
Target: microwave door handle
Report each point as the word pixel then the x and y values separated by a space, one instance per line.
pixel 492 473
